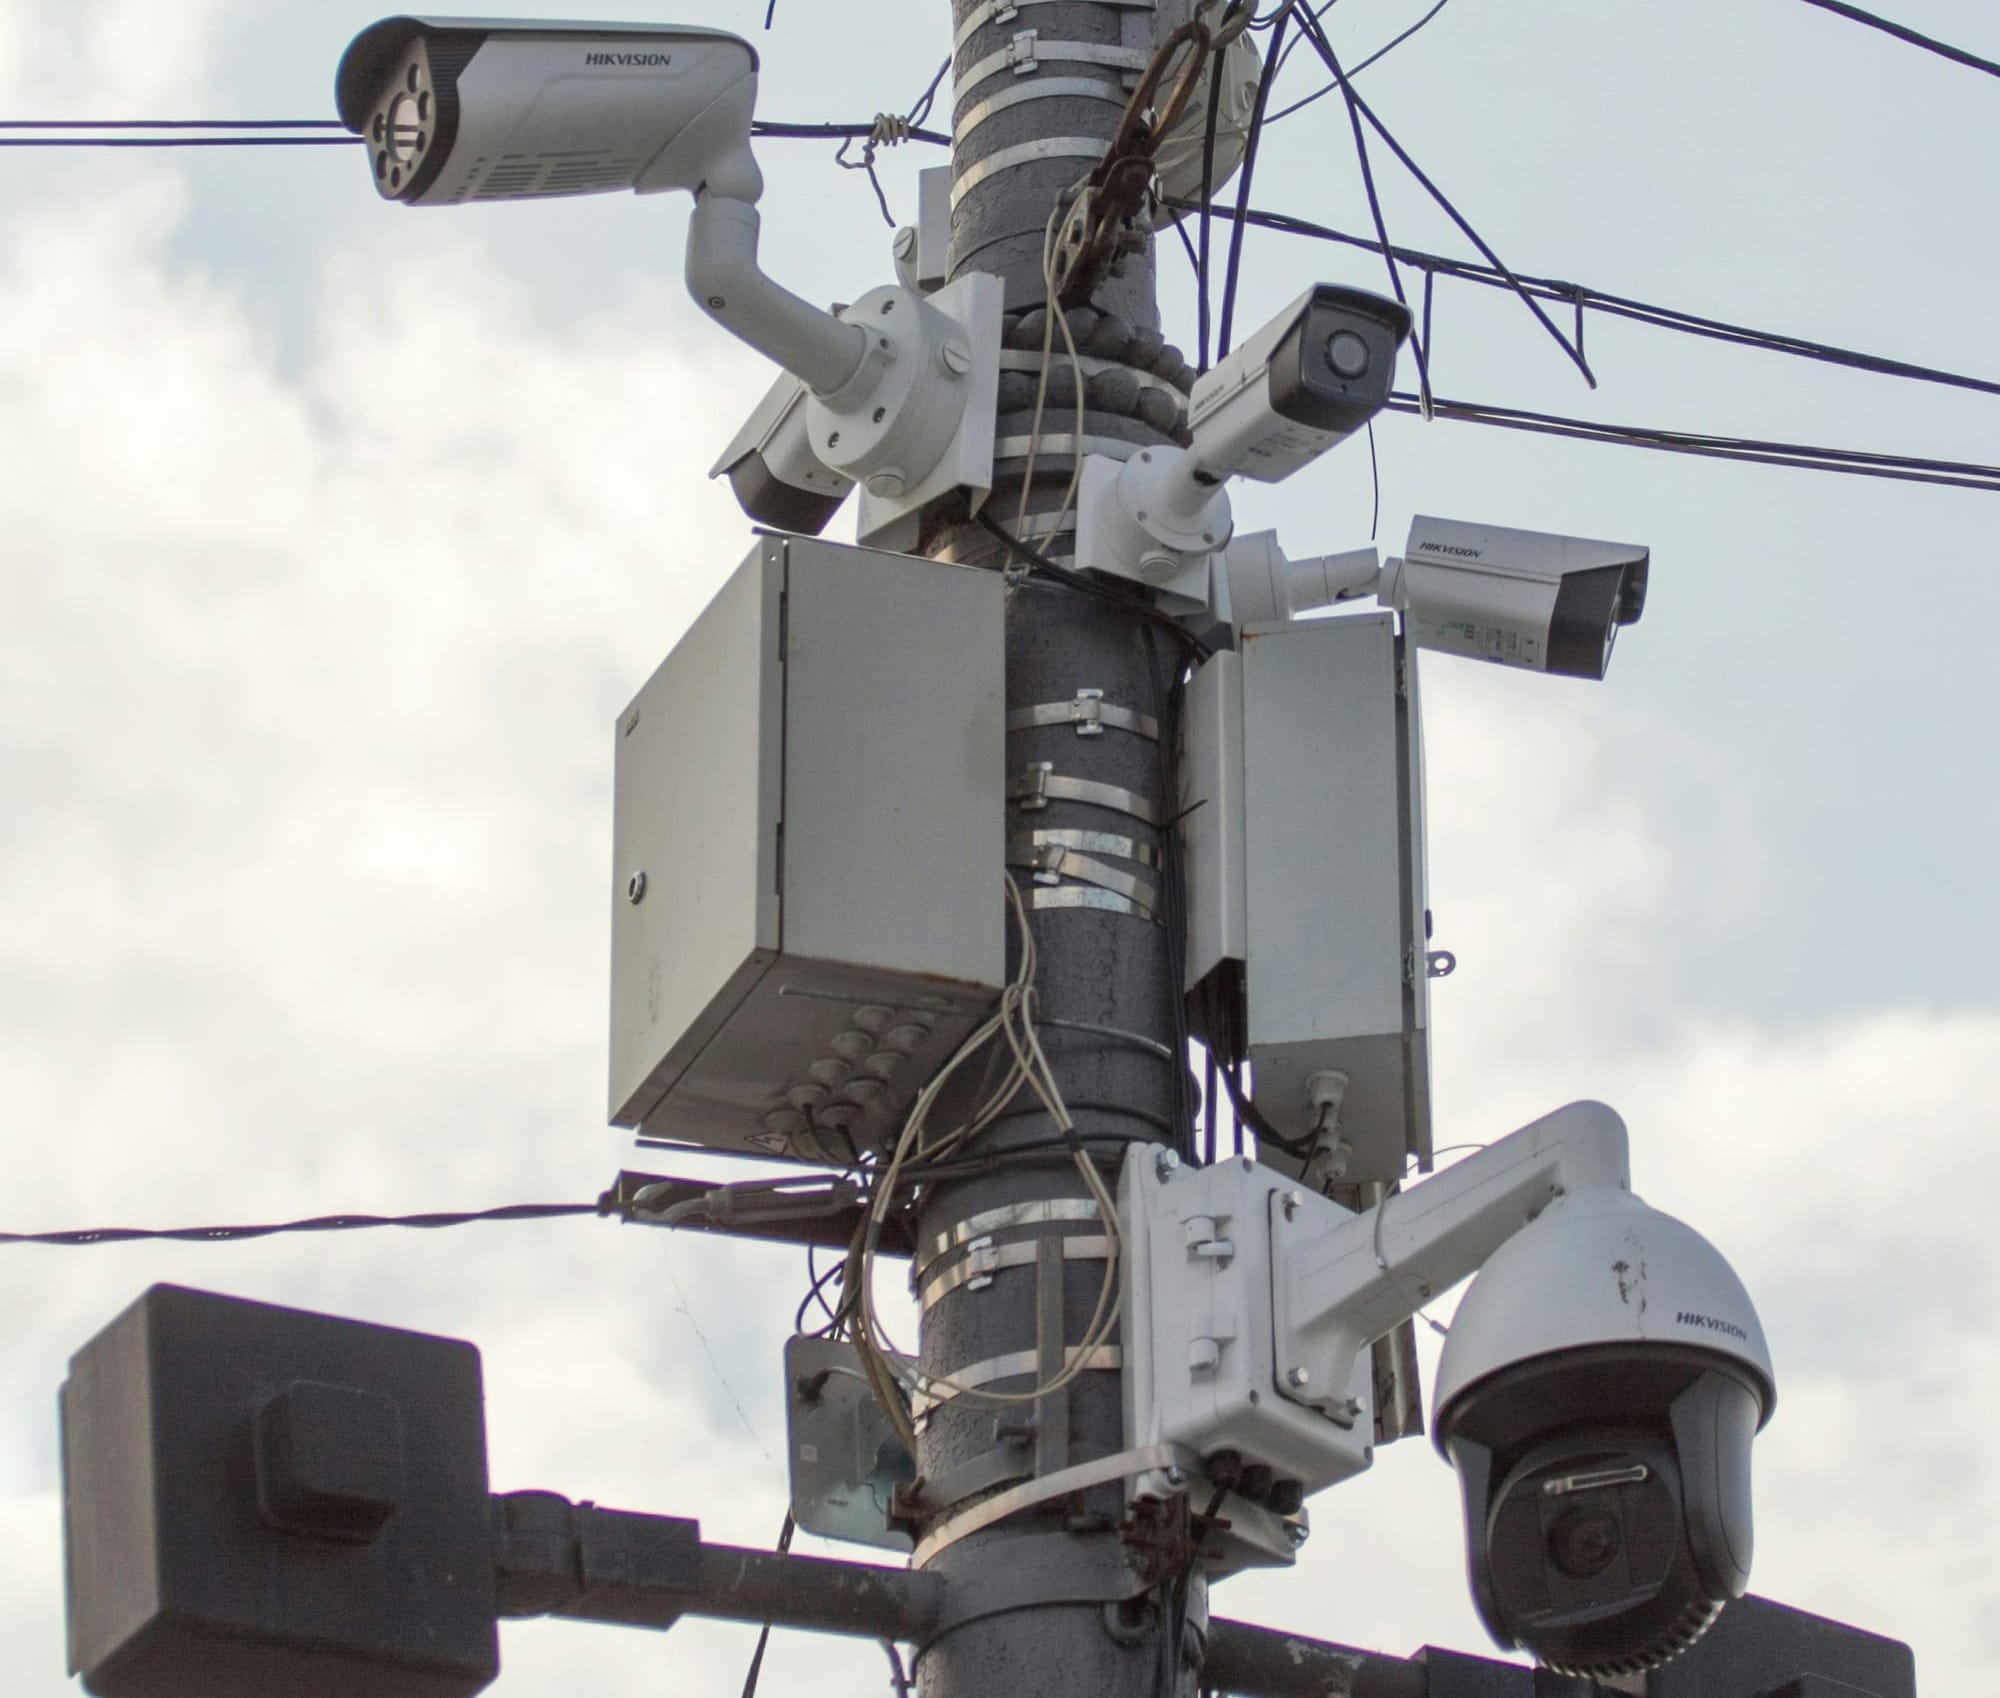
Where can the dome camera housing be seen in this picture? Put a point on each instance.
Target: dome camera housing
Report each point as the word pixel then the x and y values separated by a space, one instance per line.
pixel 1599 1393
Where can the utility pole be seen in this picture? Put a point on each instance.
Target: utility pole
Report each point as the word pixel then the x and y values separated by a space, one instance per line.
pixel 1036 89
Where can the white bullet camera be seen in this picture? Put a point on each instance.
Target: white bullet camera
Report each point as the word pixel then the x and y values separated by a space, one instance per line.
pixel 1519 598
pixel 1309 379
pixel 1599 1391
pixel 468 109
pixel 461 110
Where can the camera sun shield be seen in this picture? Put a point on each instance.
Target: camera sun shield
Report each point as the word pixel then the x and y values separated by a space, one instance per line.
pixel 1332 373
pixel 1309 379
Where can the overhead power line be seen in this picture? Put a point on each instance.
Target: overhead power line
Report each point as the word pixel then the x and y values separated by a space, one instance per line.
pixel 1360 109
pixel 246 132
pixel 1582 297
pixel 85 1237
pixel 1852 462
pixel 171 124
pixel 1380 53
pixel 1902 32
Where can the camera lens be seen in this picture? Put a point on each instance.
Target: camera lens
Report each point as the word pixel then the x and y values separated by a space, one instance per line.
pixel 1584 1542
pixel 1347 353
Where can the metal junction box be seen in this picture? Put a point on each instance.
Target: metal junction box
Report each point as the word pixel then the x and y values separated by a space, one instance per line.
pixel 807 909
pixel 1305 863
pixel 1202 1341
pixel 259 1500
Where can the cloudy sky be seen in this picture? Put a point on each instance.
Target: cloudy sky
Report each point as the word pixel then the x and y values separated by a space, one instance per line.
pixel 333 536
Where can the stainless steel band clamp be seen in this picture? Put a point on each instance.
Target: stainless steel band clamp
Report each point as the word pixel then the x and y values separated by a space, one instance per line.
pixel 1079 1478
pixel 1039 784
pixel 1089 712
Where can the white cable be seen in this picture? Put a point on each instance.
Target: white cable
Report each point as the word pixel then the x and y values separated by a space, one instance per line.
pixel 1014 1020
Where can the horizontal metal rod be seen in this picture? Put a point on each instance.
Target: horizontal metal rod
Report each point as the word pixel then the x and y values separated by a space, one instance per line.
pixel 554 1557
pixel 1259 1662
pixel 818 1594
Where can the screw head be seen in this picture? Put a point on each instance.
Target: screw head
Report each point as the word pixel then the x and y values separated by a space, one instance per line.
pixel 635 887
pixel 1175 1477
pixel 1296 1377
pixel 1164 1163
pixel 716 303
pixel 957 358
pixel 1296 1533
pixel 1294 1201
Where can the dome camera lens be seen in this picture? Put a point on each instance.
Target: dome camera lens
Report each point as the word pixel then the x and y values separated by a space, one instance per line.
pixel 1585 1541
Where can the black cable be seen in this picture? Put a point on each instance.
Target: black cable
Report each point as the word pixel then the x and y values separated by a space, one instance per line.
pixel 1356 70
pixel 817 1291
pixel 925 101
pixel 1159 1122
pixel 1418 339
pixel 784 1544
pixel 1902 32
pixel 1169 692
pixel 86 1236
pixel 1318 12
pixel 898 1676
pixel 1040 564
pixel 72 136
pixel 1211 1122
pixel 1626 307
pixel 1325 51
pixel 1175 1604
pixel 963 1167
pixel 1375 485
pixel 180 141
pixel 1187 247
pixel 1244 174
pixel 1853 462
pixel 836 132
pixel 1209 127
pixel 171 124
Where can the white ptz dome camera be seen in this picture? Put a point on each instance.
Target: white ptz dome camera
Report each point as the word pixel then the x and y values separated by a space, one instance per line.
pixel 1598 1394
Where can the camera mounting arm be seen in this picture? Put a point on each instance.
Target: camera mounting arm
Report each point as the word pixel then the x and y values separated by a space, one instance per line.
pixel 728 284
pixel 1337 1289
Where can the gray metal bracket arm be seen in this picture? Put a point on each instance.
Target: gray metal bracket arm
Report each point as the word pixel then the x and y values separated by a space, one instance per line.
pixel 585 1563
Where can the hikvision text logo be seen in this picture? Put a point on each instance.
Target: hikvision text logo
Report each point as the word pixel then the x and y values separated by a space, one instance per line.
pixel 628 58
pixel 1449 548
pixel 1688 1318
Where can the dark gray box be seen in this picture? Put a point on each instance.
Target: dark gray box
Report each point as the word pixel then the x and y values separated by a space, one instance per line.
pixel 1758 1649
pixel 262 1501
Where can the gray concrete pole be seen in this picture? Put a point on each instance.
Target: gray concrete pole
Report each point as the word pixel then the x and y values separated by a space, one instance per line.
pixel 1065 1571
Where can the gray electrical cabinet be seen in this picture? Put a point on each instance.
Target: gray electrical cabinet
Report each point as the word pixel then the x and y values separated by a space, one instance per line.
pixel 1305 864
pixel 808 909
